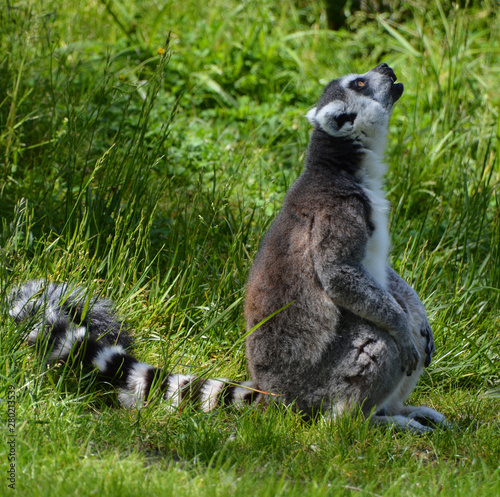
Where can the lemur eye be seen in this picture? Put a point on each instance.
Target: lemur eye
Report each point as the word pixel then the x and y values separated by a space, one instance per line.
pixel 358 84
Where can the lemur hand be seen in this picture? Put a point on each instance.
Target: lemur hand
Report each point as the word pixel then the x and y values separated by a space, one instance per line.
pixel 426 332
pixel 410 356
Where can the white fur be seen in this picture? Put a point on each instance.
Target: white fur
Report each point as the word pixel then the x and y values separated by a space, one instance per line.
pixel 33 334
pixel 311 116
pixel 62 349
pixel 173 393
pixel 370 124
pixel 16 309
pixel 326 116
pixel 370 116
pixel 240 391
pixel 103 356
pixel 50 316
pixel 378 246
pixel 136 385
pixel 209 393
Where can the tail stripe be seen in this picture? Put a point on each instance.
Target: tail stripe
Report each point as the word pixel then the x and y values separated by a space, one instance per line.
pixel 237 394
pixel 64 344
pixel 226 395
pixel 192 392
pixel 211 394
pixel 138 384
pixel 153 377
pixel 53 330
pixel 175 384
pixel 106 357
pixel 86 351
pixel 244 394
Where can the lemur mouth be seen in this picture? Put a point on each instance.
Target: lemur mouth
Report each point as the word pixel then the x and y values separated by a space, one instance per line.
pixel 396 91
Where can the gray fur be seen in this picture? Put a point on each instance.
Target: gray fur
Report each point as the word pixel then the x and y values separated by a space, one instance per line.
pixel 355 333
pixel 54 305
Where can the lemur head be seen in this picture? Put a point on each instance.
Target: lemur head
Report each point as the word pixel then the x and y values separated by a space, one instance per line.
pixel 358 107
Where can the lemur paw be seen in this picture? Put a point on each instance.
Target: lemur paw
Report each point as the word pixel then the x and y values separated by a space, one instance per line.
pixel 426 332
pixel 426 416
pixel 410 356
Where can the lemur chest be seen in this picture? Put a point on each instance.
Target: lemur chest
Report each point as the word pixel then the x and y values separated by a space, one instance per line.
pixel 377 248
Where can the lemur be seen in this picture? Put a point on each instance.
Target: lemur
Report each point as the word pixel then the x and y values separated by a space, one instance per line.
pixel 346 331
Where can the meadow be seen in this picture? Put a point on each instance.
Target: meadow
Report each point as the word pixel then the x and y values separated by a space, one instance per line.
pixel 145 147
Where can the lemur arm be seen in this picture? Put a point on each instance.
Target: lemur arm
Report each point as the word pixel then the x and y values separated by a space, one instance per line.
pixel 412 305
pixel 338 239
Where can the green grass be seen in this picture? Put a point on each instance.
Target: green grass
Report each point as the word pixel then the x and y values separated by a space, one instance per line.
pixel 150 177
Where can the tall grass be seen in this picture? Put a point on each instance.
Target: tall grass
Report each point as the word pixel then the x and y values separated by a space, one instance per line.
pixel 144 150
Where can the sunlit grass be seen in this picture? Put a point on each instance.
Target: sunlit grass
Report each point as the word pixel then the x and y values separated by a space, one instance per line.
pixel 144 150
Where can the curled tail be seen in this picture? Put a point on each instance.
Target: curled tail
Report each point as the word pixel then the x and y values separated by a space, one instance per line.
pixel 67 324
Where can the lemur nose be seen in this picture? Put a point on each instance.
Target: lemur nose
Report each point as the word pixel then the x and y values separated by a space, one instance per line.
pixel 386 71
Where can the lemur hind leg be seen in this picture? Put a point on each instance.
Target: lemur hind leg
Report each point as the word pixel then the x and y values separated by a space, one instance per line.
pixel 393 411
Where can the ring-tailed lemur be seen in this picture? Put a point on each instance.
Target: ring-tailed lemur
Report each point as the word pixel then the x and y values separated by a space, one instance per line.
pixel 350 333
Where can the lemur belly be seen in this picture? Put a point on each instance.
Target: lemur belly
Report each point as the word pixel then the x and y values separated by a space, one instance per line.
pixel 377 248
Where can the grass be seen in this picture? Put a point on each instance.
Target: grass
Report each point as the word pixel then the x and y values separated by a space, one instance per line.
pixel 151 175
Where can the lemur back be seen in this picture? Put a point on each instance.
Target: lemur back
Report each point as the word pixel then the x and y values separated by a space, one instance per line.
pixel 349 332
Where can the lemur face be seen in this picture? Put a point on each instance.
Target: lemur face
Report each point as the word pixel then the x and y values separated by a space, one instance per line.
pixel 358 106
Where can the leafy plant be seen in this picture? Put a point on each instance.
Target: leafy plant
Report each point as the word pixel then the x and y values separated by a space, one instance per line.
pixel 144 150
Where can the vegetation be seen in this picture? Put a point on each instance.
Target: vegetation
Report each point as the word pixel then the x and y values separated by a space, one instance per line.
pixel 144 149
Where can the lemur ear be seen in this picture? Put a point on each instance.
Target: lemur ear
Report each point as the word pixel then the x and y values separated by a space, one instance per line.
pixel 311 116
pixel 334 118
